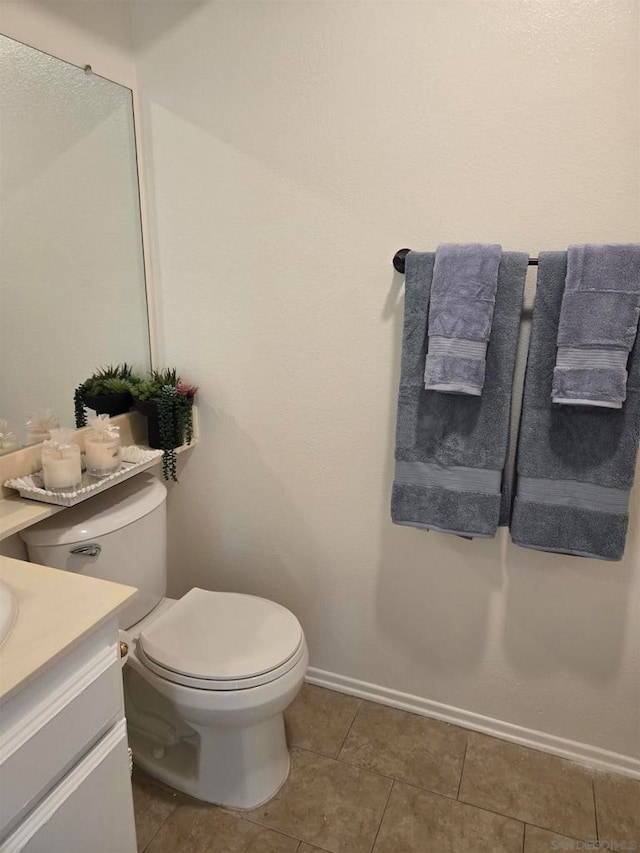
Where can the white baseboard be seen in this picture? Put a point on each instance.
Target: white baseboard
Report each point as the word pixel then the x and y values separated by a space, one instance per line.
pixel 582 753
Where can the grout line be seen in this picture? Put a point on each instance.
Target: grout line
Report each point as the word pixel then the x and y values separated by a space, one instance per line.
pixel 384 811
pixel 524 837
pixel 595 807
pixel 491 811
pixel 308 748
pixel 356 766
pixel 372 772
pixel 464 758
pixel 384 775
pixel 153 837
pixel 545 828
pixel 240 815
pixel 344 739
pixel 155 785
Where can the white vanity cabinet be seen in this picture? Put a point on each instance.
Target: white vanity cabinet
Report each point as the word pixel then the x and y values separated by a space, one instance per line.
pixel 89 810
pixel 65 782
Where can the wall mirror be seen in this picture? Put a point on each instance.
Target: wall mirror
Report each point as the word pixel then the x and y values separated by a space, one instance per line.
pixel 72 283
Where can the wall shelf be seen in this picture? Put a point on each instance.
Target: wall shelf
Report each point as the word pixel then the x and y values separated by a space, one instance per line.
pixel 18 513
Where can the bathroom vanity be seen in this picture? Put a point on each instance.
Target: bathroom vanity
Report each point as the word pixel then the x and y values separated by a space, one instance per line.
pixel 65 783
pixel 64 761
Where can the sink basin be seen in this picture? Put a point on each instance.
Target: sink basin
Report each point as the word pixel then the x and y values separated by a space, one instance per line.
pixel 8 610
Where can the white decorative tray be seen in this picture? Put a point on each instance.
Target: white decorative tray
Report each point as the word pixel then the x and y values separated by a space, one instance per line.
pixel 134 460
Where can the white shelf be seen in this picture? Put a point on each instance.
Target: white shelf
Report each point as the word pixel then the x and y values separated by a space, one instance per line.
pixel 17 513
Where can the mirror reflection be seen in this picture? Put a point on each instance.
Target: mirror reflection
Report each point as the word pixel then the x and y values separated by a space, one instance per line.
pixel 72 285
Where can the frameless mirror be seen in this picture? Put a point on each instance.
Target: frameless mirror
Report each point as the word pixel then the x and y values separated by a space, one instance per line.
pixel 72 285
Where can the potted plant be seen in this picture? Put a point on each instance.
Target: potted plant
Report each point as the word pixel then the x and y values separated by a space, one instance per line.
pixel 167 403
pixel 107 392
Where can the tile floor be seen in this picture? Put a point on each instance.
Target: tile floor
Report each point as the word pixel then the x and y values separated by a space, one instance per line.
pixel 369 778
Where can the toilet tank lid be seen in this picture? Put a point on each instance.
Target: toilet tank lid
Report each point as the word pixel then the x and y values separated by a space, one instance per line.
pixel 105 513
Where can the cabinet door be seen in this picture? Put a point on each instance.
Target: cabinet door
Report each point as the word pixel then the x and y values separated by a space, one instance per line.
pixel 52 737
pixel 91 809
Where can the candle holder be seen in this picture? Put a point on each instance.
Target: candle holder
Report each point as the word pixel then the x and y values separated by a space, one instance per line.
pixel 61 467
pixel 8 439
pixel 39 426
pixel 102 447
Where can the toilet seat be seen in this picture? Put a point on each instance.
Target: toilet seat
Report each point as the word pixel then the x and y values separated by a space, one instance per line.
pixel 219 684
pixel 221 641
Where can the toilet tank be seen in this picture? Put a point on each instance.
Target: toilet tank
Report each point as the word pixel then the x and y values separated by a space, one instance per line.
pixel 119 535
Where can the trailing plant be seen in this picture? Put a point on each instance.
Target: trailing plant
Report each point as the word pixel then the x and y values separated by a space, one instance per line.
pixel 174 404
pixel 113 379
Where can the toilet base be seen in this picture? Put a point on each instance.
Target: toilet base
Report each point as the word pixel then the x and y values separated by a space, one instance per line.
pixel 239 768
pixel 226 747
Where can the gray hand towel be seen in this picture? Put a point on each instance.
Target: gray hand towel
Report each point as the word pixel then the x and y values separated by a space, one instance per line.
pixel 575 464
pixel 463 294
pixel 598 324
pixel 451 449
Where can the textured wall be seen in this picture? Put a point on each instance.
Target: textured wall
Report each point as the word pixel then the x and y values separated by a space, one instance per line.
pixel 294 147
pixel 94 33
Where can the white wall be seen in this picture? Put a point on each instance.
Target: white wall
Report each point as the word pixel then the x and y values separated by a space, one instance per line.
pixel 293 148
pixel 85 32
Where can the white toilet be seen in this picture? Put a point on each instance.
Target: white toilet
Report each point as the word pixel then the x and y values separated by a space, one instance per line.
pixel 209 676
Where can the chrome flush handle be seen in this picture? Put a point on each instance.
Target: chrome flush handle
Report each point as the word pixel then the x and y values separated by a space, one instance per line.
pixel 91 550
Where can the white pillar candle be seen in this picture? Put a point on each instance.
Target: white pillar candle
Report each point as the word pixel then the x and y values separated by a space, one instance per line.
pixel 102 457
pixel 8 443
pixel 36 436
pixel 61 468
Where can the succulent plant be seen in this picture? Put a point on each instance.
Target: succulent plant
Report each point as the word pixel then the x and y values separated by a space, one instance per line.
pixel 113 379
pixel 174 402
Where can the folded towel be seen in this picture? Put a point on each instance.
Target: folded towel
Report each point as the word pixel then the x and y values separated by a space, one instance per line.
pixel 575 465
pixel 451 449
pixel 463 294
pixel 598 325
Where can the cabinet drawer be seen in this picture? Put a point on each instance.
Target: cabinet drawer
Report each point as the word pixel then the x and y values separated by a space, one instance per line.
pixel 91 809
pixel 54 732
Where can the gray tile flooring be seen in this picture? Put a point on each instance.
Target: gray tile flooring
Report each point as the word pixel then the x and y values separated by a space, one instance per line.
pixel 370 779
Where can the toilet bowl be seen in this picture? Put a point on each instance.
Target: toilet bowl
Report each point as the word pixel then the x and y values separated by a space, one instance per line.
pixel 224 738
pixel 208 676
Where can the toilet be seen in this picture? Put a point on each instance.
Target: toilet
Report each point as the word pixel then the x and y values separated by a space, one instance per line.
pixel 208 676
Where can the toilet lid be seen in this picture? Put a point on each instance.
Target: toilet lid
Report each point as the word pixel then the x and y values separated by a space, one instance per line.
pixel 222 636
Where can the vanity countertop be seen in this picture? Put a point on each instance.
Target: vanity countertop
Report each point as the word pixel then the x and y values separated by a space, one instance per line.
pixel 56 610
pixel 16 514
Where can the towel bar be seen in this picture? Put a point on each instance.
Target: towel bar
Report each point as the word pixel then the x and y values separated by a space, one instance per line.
pixel 401 254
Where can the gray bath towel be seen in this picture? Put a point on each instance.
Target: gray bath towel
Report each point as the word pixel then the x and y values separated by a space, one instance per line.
pixel 598 325
pixel 450 448
pixel 575 464
pixel 463 294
